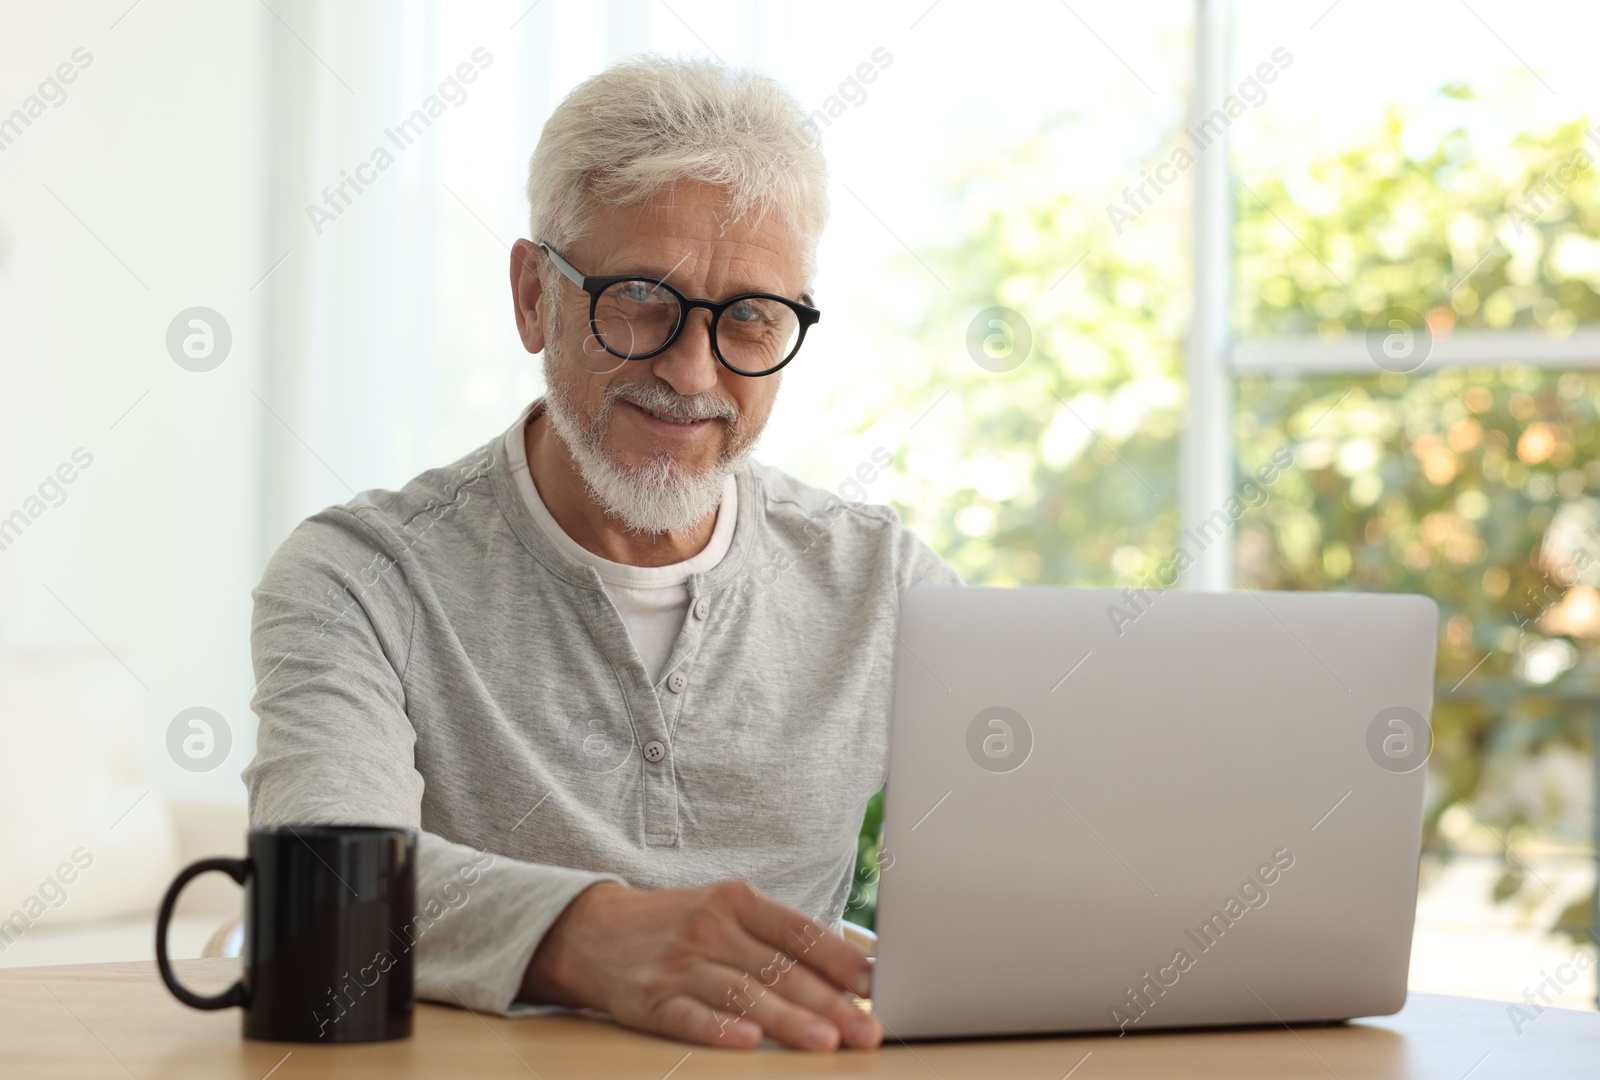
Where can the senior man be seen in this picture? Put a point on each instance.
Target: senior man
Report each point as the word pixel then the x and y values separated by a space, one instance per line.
pixel 631 686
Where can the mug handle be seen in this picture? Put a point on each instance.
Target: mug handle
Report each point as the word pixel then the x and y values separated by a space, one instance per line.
pixel 238 869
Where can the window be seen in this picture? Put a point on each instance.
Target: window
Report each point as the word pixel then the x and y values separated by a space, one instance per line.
pixel 1414 290
pixel 1088 265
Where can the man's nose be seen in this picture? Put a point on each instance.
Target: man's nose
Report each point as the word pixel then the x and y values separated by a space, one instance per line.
pixel 689 366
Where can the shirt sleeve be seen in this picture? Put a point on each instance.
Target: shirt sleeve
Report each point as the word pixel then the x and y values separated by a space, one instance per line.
pixel 917 564
pixel 334 745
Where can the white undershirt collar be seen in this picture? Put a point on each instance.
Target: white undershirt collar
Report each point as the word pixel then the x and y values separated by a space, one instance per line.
pixel 615 573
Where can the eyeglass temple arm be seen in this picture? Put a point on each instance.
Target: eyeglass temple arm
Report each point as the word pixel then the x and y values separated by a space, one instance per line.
pixel 563 265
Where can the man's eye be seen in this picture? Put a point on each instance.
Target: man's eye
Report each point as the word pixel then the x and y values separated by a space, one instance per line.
pixel 639 292
pixel 745 313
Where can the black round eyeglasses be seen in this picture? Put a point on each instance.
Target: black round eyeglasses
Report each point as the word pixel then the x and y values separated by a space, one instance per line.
pixel 635 317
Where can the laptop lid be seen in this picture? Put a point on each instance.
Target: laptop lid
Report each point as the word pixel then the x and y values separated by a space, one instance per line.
pixel 1137 810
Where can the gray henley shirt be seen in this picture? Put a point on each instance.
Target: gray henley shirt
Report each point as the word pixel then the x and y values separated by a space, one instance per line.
pixel 429 658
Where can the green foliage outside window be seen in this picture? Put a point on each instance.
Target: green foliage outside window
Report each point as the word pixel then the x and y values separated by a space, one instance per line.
pixel 1480 488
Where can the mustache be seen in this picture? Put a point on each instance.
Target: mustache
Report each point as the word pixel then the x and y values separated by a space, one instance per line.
pixel 660 398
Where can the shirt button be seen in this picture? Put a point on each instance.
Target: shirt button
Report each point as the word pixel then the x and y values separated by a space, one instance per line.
pixel 654 751
pixel 702 608
pixel 677 681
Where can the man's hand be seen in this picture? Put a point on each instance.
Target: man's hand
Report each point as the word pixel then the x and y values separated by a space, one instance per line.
pixel 721 965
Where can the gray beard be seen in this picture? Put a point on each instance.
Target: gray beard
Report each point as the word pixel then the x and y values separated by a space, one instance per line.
pixel 660 496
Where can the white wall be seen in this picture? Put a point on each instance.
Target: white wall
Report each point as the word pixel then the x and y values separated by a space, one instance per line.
pixel 378 344
pixel 137 197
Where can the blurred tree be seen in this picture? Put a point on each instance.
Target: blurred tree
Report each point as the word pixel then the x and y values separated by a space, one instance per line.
pixel 1475 487
pixel 1470 486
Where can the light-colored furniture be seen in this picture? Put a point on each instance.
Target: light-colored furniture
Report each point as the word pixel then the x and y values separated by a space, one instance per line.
pixel 226 941
pixel 117 1019
pixel 93 826
pixel 120 925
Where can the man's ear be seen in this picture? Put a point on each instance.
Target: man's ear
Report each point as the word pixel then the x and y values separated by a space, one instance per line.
pixel 526 288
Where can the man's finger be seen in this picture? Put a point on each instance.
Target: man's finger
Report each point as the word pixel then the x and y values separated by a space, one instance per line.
pixel 809 942
pixel 778 972
pixel 731 990
pixel 684 1017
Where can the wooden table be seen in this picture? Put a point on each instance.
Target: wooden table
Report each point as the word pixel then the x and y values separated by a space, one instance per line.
pixel 117 1020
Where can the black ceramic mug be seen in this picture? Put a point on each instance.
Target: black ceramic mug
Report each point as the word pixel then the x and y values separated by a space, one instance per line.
pixel 327 933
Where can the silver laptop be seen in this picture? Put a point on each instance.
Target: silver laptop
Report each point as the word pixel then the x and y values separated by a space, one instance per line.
pixel 1124 811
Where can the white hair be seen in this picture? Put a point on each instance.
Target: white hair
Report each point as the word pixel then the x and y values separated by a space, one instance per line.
pixel 625 135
